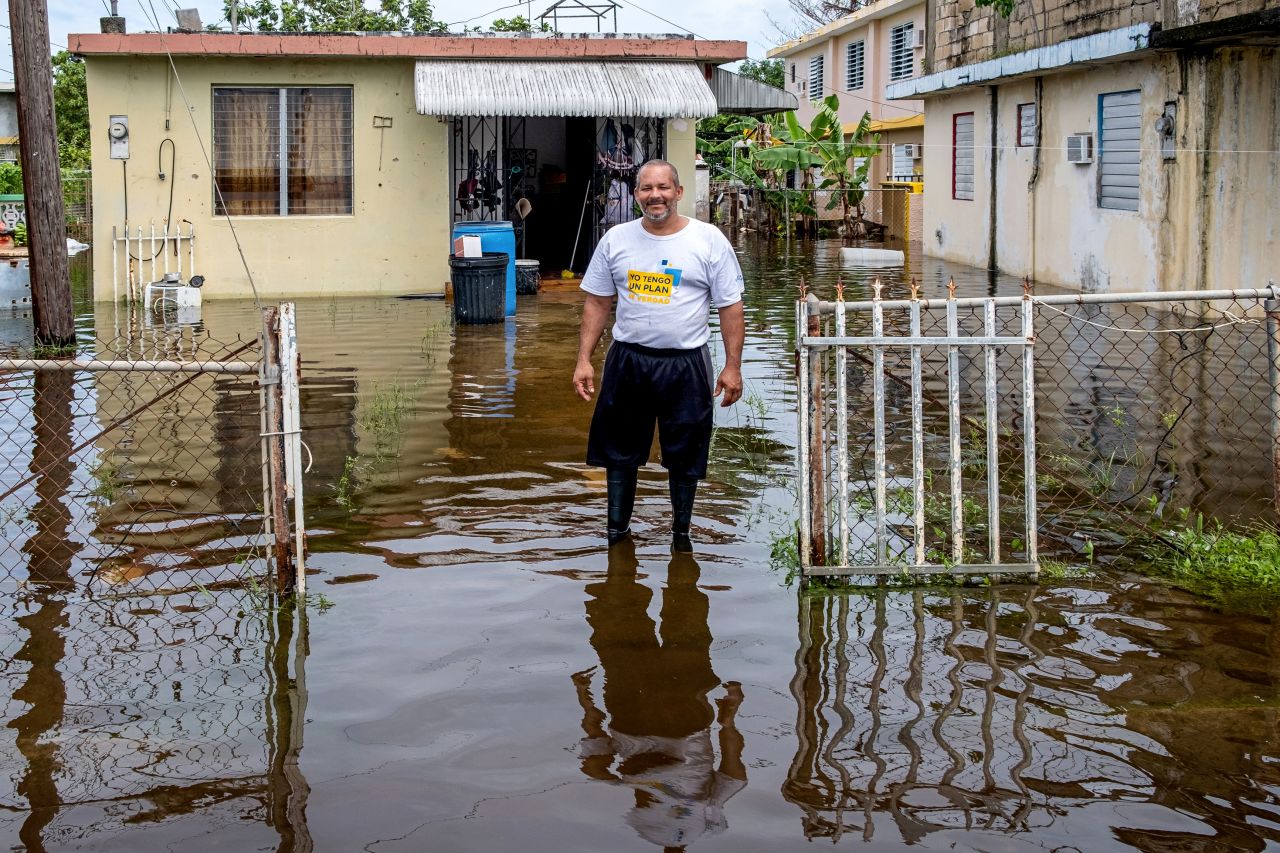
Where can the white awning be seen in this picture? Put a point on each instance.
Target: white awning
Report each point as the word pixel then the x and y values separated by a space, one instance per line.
pixel 463 87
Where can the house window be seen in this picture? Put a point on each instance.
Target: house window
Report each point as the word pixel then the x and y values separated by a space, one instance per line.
pixel 1026 125
pixel 903 162
pixel 900 51
pixel 1119 149
pixel 962 156
pixel 282 151
pixel 853 65
pixel 815 78
pixel 793 72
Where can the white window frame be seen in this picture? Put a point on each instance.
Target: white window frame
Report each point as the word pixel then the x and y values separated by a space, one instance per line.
pixel 855 64
pixel 901 51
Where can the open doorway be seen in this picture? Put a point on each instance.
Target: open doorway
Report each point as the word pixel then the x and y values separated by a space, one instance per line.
pixel 571 177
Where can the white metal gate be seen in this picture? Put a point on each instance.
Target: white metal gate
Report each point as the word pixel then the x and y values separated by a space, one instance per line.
pixel 929 370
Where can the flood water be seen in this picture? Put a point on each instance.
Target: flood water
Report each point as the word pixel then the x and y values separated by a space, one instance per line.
pixel 476 672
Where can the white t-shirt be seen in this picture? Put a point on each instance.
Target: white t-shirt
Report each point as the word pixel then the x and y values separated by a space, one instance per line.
pixel 665 284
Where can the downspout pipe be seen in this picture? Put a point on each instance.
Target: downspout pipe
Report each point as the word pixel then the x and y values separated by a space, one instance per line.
pixel 1035 169
pixel 993 261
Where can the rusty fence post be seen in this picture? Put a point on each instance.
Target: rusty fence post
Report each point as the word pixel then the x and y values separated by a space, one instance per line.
pixel 273 441
pixel 817 446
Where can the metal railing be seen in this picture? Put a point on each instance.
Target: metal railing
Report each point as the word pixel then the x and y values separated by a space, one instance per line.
pixel 1137 411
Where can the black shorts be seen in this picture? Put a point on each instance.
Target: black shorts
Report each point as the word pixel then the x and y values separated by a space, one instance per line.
pixel 642 385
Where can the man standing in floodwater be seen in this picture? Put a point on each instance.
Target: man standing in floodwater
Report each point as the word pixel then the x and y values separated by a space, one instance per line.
pixel 666 271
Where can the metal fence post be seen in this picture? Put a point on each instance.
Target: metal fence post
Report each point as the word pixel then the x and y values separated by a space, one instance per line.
pixel 291 422
pixel 1272 306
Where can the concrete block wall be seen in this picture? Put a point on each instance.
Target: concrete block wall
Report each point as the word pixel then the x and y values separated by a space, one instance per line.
pixel 965 33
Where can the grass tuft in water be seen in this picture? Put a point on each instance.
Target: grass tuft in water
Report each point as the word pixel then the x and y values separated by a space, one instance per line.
pixel 383 414
pixel 1205 557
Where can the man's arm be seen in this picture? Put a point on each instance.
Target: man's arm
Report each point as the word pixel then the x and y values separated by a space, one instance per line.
pixel 733 329
pixel 595 313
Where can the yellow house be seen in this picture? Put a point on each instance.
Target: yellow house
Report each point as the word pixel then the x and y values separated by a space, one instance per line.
pixel 308 165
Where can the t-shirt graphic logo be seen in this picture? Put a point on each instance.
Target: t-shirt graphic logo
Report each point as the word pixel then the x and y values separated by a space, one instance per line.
pixel 655 287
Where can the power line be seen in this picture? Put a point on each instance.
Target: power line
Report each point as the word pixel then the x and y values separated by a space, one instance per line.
pixel 665 21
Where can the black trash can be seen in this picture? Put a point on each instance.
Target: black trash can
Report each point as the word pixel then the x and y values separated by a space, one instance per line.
pixel 479 288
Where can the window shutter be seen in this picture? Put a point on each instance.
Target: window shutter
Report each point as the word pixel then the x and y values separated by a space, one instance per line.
pixel 1119 154
pixel 815 78
pixel 900 51
pixel 962 156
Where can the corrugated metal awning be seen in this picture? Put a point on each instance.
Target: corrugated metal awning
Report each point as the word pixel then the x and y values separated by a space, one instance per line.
pixel 461 87
pixel 743 96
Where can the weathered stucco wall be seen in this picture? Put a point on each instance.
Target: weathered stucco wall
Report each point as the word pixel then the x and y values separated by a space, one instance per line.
pixel 1205 218
pixel 956 229
pixel 682 153
pixel 395 240
pixel 965 33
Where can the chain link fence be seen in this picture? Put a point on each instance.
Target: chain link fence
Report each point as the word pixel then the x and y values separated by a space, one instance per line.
pixel 139 573
pixel 1147 413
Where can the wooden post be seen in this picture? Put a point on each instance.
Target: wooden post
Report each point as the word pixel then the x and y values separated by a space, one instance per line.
pixel 281 544
pixel 41 175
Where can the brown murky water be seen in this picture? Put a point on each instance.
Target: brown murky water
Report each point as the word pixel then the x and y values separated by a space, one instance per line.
pixel 488 678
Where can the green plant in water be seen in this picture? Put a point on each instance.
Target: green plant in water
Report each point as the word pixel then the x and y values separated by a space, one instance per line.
pixel 344 488
pixel 1207 558
pixel 431 339
pixel 108 484
pixel 383 415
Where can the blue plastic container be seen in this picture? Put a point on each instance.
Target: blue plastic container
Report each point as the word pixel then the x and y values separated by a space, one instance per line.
pixel 495 237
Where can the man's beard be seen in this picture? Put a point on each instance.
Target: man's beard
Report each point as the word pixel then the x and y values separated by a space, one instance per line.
pixel 658 218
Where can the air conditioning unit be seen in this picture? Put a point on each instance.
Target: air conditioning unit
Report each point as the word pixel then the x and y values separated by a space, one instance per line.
pixel 919 39
pixel 911 151
pixel 1080 148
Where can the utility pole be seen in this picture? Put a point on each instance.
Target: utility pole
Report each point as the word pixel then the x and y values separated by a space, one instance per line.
pixel 235 16
pixel 41 175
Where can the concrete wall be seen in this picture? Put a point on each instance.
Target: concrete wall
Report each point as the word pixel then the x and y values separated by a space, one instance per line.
pixel 1205 219
pixel 396 239
pixel 965 33
pixel 682 153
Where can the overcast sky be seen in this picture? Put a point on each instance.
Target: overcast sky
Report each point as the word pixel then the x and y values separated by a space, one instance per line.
pixel 712 19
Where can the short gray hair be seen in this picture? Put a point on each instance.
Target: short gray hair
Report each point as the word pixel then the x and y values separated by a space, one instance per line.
pixel 675 175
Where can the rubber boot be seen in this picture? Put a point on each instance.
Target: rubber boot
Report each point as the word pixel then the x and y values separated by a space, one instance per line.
pixel 682 494
pixel 622 498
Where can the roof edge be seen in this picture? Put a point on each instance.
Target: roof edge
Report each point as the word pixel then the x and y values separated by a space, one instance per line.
pixel 1110 46
pixel 406 46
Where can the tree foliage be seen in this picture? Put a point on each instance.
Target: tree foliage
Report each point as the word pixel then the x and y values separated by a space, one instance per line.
pixel 765 70
pixel 71 104
pixel 335 16
pixel 1004 7
pixel 518 24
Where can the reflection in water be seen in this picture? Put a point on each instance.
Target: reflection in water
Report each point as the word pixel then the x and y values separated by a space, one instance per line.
pixel 136 712
pixel 654 733
pixel 1006 711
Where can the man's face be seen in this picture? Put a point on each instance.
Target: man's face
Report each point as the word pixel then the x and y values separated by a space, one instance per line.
pixel 657 193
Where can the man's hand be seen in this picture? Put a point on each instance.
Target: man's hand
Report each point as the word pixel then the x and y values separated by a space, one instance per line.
pixel 584 380
pixel 730 382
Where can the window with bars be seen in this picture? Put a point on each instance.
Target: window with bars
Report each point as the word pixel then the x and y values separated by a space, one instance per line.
pixel 853 65
pixel 816 83
pixel 282 151
pixel 900 51
pixel 1026 125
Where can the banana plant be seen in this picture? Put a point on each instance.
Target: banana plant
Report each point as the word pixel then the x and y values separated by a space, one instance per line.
pixel 823 145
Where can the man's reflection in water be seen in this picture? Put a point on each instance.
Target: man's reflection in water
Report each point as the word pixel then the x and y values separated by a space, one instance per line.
pixel 654 734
